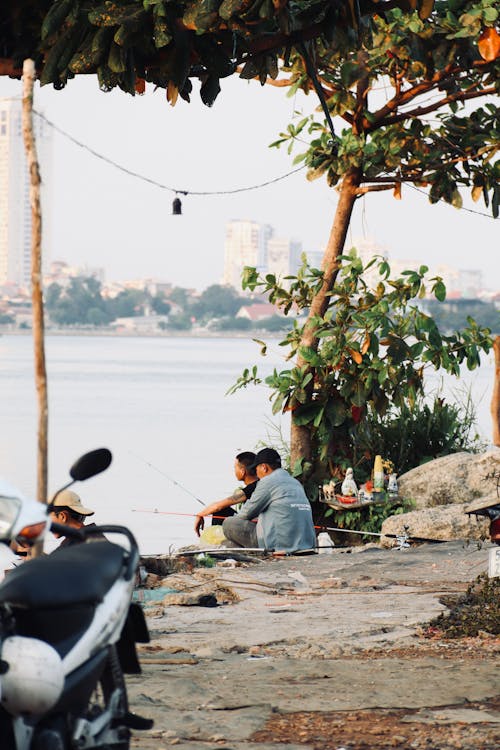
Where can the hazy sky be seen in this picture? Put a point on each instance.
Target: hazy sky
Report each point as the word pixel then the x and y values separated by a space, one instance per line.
pixel 103 217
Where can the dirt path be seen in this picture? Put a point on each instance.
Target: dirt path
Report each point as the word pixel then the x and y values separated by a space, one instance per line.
pixel 322 652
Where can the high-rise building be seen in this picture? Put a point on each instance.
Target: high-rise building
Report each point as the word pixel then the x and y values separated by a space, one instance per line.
pixel 15 208
pixel 315 258
pixel 245 245
pixel 283 256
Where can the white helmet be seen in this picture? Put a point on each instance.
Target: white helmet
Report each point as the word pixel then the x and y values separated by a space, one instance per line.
pixel 35 678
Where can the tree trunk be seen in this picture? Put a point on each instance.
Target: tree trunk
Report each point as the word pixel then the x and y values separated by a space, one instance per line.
pixel 495 399
pixel 36 277
pixel 300 436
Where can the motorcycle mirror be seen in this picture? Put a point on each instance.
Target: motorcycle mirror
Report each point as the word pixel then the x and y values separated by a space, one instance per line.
pixel 90 464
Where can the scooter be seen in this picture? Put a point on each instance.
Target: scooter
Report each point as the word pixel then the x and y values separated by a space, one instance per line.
pixel 68 631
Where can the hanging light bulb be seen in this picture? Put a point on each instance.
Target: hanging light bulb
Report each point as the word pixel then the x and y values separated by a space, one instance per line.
pixel 176 207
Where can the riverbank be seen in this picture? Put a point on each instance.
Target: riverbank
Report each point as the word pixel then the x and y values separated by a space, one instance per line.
pixel 321 653
pixel 197 333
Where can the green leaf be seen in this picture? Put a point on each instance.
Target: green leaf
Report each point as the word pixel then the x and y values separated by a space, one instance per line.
pixel 439 290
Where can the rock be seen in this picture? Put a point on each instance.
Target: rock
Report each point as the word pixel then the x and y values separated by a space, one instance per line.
pixel 447 522
pixel 458 478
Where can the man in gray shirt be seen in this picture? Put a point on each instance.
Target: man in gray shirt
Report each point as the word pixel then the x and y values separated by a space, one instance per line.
pixel 283 512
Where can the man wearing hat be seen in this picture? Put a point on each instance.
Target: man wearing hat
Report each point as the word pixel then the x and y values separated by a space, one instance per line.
pixel 68 510
pixel 281 507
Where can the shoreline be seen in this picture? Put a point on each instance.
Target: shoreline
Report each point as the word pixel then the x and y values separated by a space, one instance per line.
pixel 107 333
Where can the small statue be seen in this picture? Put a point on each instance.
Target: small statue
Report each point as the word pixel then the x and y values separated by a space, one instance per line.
pixel 349 487
pixel 392 485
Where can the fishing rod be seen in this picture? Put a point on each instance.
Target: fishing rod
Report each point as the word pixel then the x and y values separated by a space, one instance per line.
pixel 404 534
pixel 170 479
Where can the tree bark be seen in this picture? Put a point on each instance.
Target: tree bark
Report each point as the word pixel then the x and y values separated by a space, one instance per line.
pixel 495 399
pixel 36 278
pixel 300 436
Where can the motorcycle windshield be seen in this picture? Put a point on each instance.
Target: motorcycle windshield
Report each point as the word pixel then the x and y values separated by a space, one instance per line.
pixel 9 511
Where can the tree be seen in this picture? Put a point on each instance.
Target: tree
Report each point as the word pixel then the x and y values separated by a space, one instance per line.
pixel 429 69
pixel 160 304
pixel 232 324
pixel 217 301
pixel 74 304
pixel 374 345
pixel 273 323
pixel 168 42
pixel 453 314
pixel 128 303
pixel 179 296
pixel 180 322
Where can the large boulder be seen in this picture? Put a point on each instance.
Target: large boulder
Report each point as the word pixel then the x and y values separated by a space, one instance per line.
pixel 444 522
pixel 458 478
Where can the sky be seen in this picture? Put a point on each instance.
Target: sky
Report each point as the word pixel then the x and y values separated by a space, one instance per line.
pixel 103 217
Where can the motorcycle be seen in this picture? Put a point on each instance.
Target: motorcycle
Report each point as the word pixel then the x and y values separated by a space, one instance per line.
pixel 68 630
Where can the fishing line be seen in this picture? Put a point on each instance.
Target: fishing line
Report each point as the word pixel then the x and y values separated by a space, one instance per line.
pixel 170 479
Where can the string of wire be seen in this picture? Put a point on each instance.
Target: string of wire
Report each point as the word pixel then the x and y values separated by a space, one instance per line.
pixel 462 208
pixel 183 191
pixel 150 181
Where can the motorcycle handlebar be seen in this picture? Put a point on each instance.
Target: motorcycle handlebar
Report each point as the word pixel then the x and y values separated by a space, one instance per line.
pixel 83 532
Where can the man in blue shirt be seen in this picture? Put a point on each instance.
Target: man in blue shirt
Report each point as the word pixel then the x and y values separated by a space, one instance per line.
pixel 281 507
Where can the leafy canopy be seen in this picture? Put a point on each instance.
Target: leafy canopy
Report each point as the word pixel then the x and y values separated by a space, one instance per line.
pixel 405 96
pixel 167 42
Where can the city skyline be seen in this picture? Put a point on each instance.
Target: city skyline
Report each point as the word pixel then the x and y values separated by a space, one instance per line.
pixel 105 218
pixel 15 208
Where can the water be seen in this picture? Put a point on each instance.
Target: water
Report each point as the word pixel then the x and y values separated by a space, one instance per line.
pixel 156 401
pixel 150 400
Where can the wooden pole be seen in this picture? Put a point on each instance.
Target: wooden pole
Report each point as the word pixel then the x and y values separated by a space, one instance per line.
pixel 36 277
pixel 495 399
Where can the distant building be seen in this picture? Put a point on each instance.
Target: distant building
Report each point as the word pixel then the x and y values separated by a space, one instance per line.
pixel 141 323
pixel 470 283
pixel 283 257
pixel 245 245
pixel 315 258
pixel 257 312
pixel 15 208
pixel 61 273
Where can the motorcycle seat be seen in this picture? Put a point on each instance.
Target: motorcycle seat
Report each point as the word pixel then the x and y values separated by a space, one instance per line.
pixel 78 574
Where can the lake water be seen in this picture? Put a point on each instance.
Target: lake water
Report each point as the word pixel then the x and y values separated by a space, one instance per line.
pixel 159 404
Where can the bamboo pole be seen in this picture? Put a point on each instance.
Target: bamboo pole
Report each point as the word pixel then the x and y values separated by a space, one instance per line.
pixel 495 399
pixel 36 277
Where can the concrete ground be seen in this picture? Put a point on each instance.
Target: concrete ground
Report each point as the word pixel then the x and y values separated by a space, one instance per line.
pixel 323 652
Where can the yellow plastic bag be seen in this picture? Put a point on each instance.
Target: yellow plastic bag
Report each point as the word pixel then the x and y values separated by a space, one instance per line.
pixel 213 535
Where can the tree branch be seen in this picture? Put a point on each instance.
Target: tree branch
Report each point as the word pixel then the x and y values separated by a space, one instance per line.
pixel 410 94
pixel 419 111
pixel 376 188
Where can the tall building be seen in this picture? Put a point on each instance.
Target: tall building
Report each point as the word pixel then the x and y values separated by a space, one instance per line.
pixel 246 244
pixel 283 256
pixel 315 258
pixel 15 209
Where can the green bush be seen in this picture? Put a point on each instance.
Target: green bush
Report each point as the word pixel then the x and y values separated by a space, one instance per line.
pixel 410 436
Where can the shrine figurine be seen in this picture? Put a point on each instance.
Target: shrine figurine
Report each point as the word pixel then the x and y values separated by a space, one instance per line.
pixel 349 486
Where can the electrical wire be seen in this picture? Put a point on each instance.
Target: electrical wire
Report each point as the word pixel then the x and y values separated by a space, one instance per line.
pixel 132 173
pixel 183 191
pixel 469 210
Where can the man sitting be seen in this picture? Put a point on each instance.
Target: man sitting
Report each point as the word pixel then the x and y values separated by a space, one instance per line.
pixel 283 512
pixel 222 508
